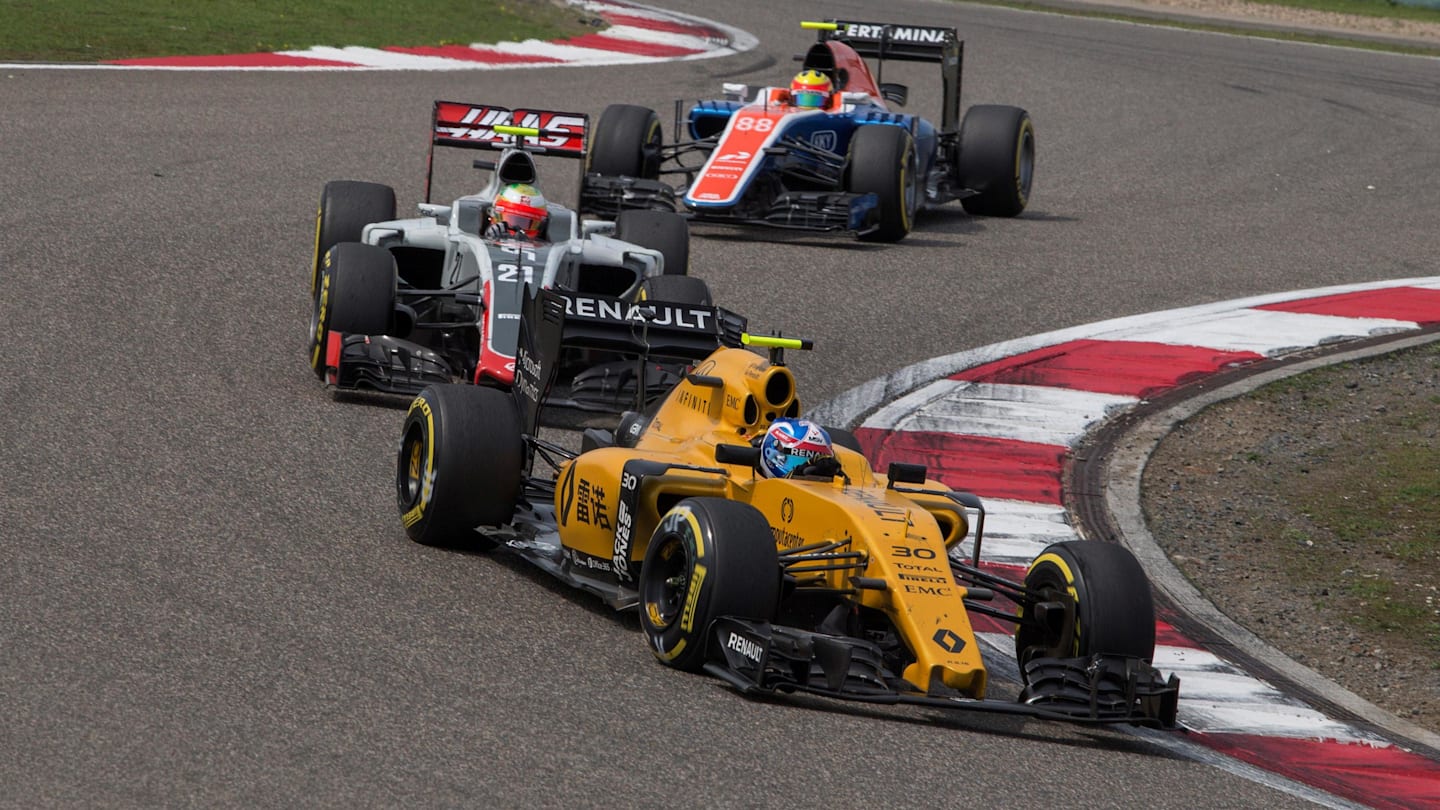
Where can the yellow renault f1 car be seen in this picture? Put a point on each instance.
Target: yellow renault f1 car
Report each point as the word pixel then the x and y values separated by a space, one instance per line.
pixel 837 582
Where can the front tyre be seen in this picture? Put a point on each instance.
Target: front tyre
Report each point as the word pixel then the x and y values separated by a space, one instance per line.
pixel 461 465
pixel 708 558
pixel 1092 598
pixel 882 161
pixel 676 290
pixel 346 207
pixel 997 159
pixel 626 143
pixel 844 438
pixel 356 296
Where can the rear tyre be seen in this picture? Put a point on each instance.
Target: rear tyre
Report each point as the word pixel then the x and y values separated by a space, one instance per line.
pixel 356 296
pixel 1106 598
pixel 882 161
pixel 626 143
pixel 461 465
pixel 844 438
pixel 997 159
pixel 676 290
pixel 664 231
pixel 346 207
pixel 708 558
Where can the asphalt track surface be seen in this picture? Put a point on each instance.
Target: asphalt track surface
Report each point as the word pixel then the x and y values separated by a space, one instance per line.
pixel 208 598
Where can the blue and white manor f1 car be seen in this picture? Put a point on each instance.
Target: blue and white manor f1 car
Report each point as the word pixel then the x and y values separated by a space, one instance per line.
pixel 853 163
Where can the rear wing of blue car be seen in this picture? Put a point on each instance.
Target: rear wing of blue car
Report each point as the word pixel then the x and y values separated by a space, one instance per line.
pixel 486 126
pixel 903 43
pixel 558 321
pixel 915 43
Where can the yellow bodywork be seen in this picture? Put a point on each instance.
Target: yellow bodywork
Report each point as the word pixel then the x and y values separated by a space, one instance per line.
pixel 730 398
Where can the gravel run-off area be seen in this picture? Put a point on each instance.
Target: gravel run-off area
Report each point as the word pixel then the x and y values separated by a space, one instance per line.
pixel 1308 511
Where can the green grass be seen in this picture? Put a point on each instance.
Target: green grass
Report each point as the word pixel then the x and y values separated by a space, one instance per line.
pixel 87 31
pixel 1369 8
pixel 1374 517
pixel 1394 503
pixel 1306 386
pixel 1364 8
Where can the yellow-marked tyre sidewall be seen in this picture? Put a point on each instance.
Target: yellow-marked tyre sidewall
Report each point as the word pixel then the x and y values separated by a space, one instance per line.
pixel 416 464
pixel 1113 610
pixel 319 256
pixel 996 158
pixel 708 558
pixel 346 207
pixel 882 162
pixel 1024 162
pixel 1052 572
pixel 620 142
pixel 320 320
pixel 668 612
pixel 459 466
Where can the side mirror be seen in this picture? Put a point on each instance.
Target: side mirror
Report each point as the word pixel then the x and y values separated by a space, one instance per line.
pixel 901 473
pixel 735 91
pixel 742 454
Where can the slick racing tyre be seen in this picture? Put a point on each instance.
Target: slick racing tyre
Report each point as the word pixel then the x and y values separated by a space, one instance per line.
pixel 626 143
pixel 461 465
pixel 843 438
pixel 676 290
pixel 346 207
pixel 664 231
pixel 882 160
pixel 1105 596
pixel 997 159
pixel 356 296
pixel 708 558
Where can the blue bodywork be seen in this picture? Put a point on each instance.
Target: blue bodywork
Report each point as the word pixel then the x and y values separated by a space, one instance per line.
pixel 830 132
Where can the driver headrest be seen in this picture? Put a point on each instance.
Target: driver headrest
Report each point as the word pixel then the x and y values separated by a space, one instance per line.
pixel 821 59
pixel 516 167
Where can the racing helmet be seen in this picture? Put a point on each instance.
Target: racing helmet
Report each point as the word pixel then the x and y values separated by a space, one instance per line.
pixel 521 207
pixel 810 89
pixel 790 444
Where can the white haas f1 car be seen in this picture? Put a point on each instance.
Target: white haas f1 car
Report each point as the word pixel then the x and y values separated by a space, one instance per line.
pixel 853 163
pixel 399 304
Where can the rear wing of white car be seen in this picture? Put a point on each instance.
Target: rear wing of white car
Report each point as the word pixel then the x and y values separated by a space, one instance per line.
pixel 486 126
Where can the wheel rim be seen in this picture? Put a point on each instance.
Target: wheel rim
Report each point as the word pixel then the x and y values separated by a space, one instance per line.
pixel 1050 586
pixel 412 483
pixel 315 269
pixel 667 586
pixel 320 302
pixel 910 188
pixel 1025 162
pixel 650 152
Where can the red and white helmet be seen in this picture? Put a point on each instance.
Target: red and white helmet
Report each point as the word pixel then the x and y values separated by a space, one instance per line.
pixel 521 207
